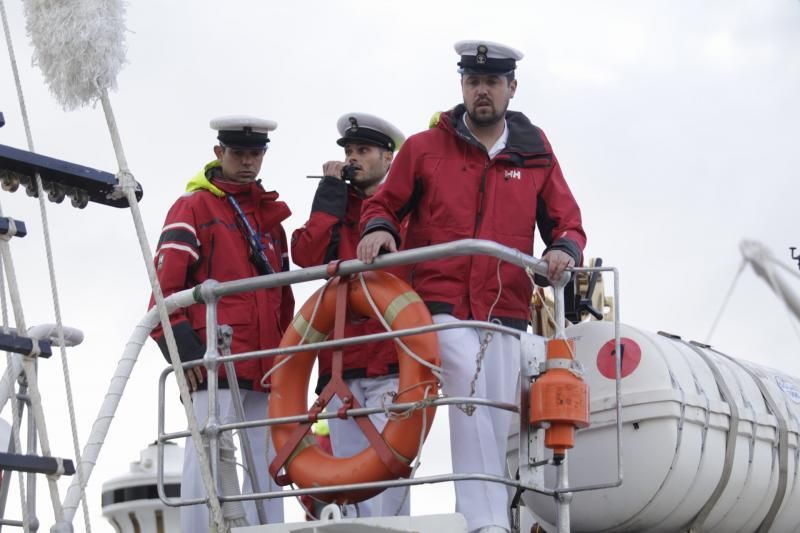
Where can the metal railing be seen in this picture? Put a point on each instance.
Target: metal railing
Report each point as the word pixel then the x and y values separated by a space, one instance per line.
pixel 211 292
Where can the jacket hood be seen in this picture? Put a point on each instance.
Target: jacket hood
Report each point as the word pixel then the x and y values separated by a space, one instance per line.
pixel 201 182
pixel 277 213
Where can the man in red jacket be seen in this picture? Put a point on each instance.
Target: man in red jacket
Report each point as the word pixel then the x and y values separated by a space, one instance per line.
pixel 331 233
pixel 227 227
pixel 488 173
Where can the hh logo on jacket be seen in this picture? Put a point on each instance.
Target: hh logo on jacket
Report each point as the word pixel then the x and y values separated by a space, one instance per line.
pixel 513 174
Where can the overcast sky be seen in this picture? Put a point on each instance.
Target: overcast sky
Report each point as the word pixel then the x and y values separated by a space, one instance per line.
pixel 675 123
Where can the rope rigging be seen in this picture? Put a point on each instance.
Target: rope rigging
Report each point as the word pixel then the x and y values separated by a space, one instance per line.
pixel 12 365
pixel 28 363
pixel 68 78
pixel 764 264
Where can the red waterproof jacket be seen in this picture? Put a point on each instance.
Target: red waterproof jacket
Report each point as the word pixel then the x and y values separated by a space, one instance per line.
pixel 332 233
pixel 201 240
pixel 444 180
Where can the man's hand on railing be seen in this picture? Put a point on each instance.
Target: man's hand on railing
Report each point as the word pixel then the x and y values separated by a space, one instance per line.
pixel 370 245
pixel 194 377
pixel 557 262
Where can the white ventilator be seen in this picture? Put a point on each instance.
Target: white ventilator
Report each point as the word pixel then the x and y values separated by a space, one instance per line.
pixel 130 501
pixel 710 443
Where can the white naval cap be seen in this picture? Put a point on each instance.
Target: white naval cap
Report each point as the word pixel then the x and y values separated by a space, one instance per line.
pixel 486 57
pixel 369 129
pixel 242 131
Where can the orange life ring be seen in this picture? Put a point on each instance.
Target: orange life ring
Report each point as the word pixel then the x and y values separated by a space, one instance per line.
pixel 310 466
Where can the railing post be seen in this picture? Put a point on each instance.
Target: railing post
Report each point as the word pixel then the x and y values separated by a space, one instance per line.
pixel 563 499
pixel 211 363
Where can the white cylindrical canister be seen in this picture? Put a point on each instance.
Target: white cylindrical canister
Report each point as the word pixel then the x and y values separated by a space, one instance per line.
pixel 682 468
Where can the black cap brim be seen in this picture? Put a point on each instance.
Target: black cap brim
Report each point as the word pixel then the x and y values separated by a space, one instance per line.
pixel 471 65
pixel 366 136
pixel 243 139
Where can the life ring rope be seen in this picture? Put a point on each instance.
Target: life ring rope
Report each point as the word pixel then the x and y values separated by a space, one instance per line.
pixel 391 452
pixel 311 335
pixel 394 461
pixel 306 330
pixel 436 370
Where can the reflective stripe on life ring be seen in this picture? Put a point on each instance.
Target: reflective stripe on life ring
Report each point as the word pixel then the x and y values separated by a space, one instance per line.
pixel 310 466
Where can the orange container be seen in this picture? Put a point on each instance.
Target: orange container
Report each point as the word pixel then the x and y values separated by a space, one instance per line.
pixel 559 400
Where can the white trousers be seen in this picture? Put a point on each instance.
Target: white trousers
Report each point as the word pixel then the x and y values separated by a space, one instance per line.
pixel 348 440
pixel 478 443
pixel 194 518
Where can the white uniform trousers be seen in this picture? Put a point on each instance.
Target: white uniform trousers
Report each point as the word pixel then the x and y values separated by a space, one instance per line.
pixel 348 440
pixel 478 443
pixel 194 518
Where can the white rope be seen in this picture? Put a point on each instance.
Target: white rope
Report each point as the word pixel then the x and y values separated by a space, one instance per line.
pixel 53 287
pixel 468 408
pixel 306 510
pixel 552 318
pixel 26 519
pixel 128 186
pixel 63 351
pixel 422 404
pixel 268 373
pixel 725 301
pixel 499 291
pixel 28 367
pixel 105 415
pixel 776 288
pixel 15 71
pixel 418 458
pixel 435 370
pixel 233 511
pixel 11 359
pixel 13 369
pixel 787 268
pixel 13 289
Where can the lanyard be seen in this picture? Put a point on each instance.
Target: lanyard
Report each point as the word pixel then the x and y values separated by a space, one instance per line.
pixel 257 255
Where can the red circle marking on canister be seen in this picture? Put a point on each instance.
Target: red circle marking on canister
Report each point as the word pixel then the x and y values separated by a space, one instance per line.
pixel 631 355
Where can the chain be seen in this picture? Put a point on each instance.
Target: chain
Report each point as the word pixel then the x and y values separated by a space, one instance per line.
pixel 487 338
pixel 469 409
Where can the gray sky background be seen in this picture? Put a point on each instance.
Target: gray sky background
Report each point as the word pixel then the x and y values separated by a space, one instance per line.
pixel 675 123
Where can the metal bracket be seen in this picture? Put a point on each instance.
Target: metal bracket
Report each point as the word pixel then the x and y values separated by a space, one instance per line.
pixel 59 178
pixel 19 227
pixel 532 354
pixel 531 442
pixel 25 345
pixel 36 464
pixel 225 339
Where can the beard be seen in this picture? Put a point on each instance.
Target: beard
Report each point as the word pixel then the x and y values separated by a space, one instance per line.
pixel 484 116
pixel 368 177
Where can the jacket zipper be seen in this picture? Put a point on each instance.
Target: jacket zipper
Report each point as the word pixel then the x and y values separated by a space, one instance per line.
pixel 481 191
